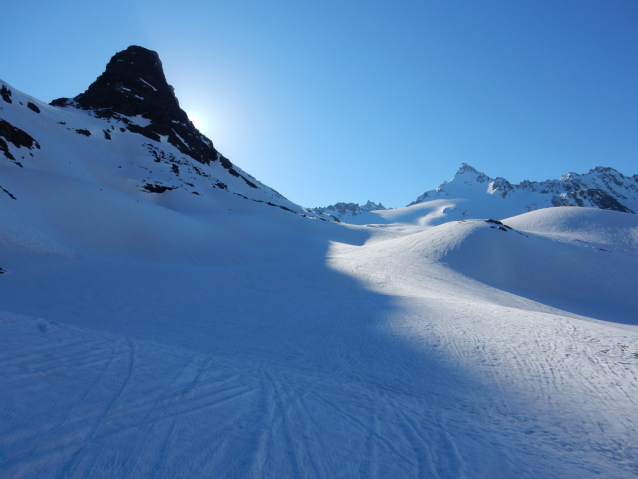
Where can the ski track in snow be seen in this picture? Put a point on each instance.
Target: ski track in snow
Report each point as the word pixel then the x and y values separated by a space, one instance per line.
pixel 540 399
pixel 346 361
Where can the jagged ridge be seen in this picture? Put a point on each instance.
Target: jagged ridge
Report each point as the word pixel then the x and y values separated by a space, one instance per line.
pixel 343 210
pixel 601 187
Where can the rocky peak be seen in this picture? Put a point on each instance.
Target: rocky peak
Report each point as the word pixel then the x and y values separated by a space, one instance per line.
pixel 134 84
pixel 605 169
pixel 343 210
pixel 569 176
pixel 465 168
pixel 501 186
pixel 371 206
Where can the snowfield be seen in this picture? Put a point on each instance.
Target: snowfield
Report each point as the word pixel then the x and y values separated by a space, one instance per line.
pixel 214 335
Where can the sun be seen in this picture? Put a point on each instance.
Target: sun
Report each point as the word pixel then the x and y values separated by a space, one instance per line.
pixel 196 119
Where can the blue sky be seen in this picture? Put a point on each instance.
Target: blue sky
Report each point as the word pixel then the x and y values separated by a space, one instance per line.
pixel 348 101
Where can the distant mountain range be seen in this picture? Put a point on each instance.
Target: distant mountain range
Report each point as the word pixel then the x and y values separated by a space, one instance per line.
pixel 601 187
pixel 340 211
pixel 477 195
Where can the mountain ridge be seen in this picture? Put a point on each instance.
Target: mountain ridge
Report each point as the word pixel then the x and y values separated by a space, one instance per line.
pixel 132 95
pixel 127 132
pixel 342 210
pixel 601 187
pixel 473 194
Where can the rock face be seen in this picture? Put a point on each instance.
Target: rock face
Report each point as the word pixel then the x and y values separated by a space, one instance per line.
pixel 15 136
pixel 134 85
pixel 601 187
pixel 345 210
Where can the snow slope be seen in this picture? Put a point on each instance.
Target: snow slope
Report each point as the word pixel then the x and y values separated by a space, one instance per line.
pixel 180 335
pixel 309 357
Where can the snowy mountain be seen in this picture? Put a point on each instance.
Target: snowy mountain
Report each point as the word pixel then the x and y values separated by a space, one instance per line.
pixel 165 314
pixel 603 188
pixel 128 133
pixel 472 194
pixel 340 211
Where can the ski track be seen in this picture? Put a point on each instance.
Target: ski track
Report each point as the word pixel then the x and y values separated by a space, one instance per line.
pixel 377 367
pixel 270 421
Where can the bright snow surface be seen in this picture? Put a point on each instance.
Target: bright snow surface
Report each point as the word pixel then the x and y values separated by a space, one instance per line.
pixel 175 335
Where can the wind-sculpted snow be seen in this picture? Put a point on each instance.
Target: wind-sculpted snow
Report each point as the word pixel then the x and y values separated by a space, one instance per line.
pixel 611 231
pixel 578 276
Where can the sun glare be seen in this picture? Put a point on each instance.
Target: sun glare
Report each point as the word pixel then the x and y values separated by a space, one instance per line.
pixel 196 119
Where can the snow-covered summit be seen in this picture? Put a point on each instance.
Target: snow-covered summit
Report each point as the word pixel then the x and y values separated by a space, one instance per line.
pixel 465 168
pixel 601 187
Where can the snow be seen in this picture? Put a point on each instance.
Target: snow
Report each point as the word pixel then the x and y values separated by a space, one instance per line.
pixel 123 163
pixel 147 83
pixel 611 230
pixel 139 120
pixel 177 335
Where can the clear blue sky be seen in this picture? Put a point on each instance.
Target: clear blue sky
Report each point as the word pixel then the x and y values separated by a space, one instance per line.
pixel 330 101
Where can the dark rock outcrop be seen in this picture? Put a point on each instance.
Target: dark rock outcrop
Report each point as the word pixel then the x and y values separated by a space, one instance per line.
pixel 15 136
pixel 500 186
pixel 594 196
pixel 8 193
pixel 134 84
pixel 33 107
pixel 152 188
pixel 5 93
